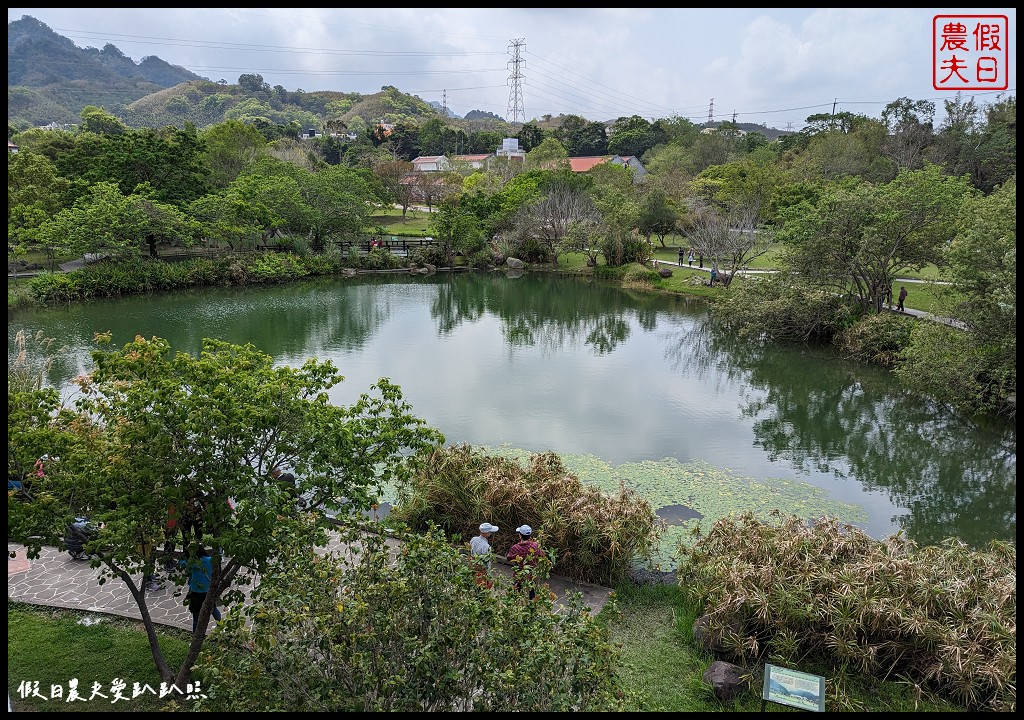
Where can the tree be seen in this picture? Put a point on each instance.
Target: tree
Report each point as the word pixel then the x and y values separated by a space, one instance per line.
pixel 456 230
pixel 974 366
pixel 858 235
pixel 410 632
pixel 229 148
pixel 550 154
pixel 392 172
pixel 910 131
pixel 35 193
pixel 99 121
pixel 631 136
pixel 155 430
pixel 105 222
pixel 657 216
pixel 549 219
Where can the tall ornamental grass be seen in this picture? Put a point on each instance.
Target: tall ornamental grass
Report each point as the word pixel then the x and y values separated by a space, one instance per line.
pixel 592 535
pixel 939 617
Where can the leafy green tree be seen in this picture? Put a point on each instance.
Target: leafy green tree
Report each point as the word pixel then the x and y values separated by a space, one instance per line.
pixel 456 230
pixel 973 366
pixel 997 152
pixel 582 138
pixel 657 216
pixel 631 136
pixel 858 235
pixel 99 121
pixel 106 222
pixel 406 632
pixel 35 193
pixel 530 136
pixel 550 154
pixel 156 430
pixel 229 148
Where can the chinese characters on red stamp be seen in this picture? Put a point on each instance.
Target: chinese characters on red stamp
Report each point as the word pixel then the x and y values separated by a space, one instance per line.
pixel 970 52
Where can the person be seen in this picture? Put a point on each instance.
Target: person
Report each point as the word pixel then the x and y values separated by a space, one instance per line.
pixel 714 273
pixel 201 570
pixel 481 553
pixel 287 480
pixel 524 556
pixel 690 259
pixel 903 296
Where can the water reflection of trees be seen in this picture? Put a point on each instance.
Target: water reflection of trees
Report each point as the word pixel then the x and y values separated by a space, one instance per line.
pixel 549 312
pixel 818 412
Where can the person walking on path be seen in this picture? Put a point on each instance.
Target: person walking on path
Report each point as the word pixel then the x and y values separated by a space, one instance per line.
pixel 689 260
pixel 524 557
pixel 903 296
pixel 714 273
pixel 481 554
pixel 201 569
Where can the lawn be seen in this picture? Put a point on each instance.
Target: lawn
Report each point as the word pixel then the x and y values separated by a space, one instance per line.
pixel 54 647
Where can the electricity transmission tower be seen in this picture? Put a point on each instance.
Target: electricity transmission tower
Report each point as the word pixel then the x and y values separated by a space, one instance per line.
pixel 711 111
pixel 515 95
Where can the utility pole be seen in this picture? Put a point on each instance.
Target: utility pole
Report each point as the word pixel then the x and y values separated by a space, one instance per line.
pixel 733 117
pixel 515 95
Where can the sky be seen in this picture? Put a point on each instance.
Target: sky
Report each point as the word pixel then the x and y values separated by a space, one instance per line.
pixel 773 66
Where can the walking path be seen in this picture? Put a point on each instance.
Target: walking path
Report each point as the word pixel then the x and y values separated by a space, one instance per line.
pixel 55 580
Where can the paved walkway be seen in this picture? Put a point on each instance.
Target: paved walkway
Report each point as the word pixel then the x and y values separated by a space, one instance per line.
pixel 55 580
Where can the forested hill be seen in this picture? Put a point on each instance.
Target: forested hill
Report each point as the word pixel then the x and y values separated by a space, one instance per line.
pixel 50 79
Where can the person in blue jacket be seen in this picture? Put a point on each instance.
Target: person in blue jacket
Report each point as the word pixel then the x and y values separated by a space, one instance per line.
pixel 199 584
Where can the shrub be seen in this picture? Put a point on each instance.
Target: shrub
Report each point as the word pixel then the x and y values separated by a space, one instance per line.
pixel 639 276
pixel 405 632
pixel 593 536
pixel 781 308
pixel 878 338
pixel 941 616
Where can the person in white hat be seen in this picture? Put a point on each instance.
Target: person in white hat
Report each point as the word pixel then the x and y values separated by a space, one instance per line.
pixel 480 549
pixel 524 556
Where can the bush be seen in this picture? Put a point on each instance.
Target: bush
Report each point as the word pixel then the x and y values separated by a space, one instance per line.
pixel 593 536
pixel 639 276
pixel 781 308
pixel 878 338
pixel 941 617
pixel 405 632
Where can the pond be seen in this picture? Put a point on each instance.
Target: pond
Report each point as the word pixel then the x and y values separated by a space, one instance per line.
pixel 626 386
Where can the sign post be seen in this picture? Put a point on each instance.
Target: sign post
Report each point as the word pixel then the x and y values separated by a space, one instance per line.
pixel 794 688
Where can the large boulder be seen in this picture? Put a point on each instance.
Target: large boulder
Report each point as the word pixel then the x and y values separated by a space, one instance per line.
pixel 727 681
pixel 515 263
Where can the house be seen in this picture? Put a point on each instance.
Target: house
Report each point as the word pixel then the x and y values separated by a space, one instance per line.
pixel 12 148
pixel 310 133
pixel 476 162
pixel 584 164
pixel 431 163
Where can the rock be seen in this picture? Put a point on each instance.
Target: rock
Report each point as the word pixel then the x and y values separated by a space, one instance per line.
pixel 515 263
pixel 665 272
pixel 711 637
pixel 726 680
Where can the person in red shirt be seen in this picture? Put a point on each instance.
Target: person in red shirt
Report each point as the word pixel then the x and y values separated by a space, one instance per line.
pixel 524 556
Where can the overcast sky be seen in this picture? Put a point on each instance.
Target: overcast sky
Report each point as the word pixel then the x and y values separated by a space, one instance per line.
pixel 771 66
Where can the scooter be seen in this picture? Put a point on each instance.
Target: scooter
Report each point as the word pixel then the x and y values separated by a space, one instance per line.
pixel 78 533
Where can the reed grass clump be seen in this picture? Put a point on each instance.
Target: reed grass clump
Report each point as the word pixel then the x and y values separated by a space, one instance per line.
pixel 942 618
pixel 592 535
